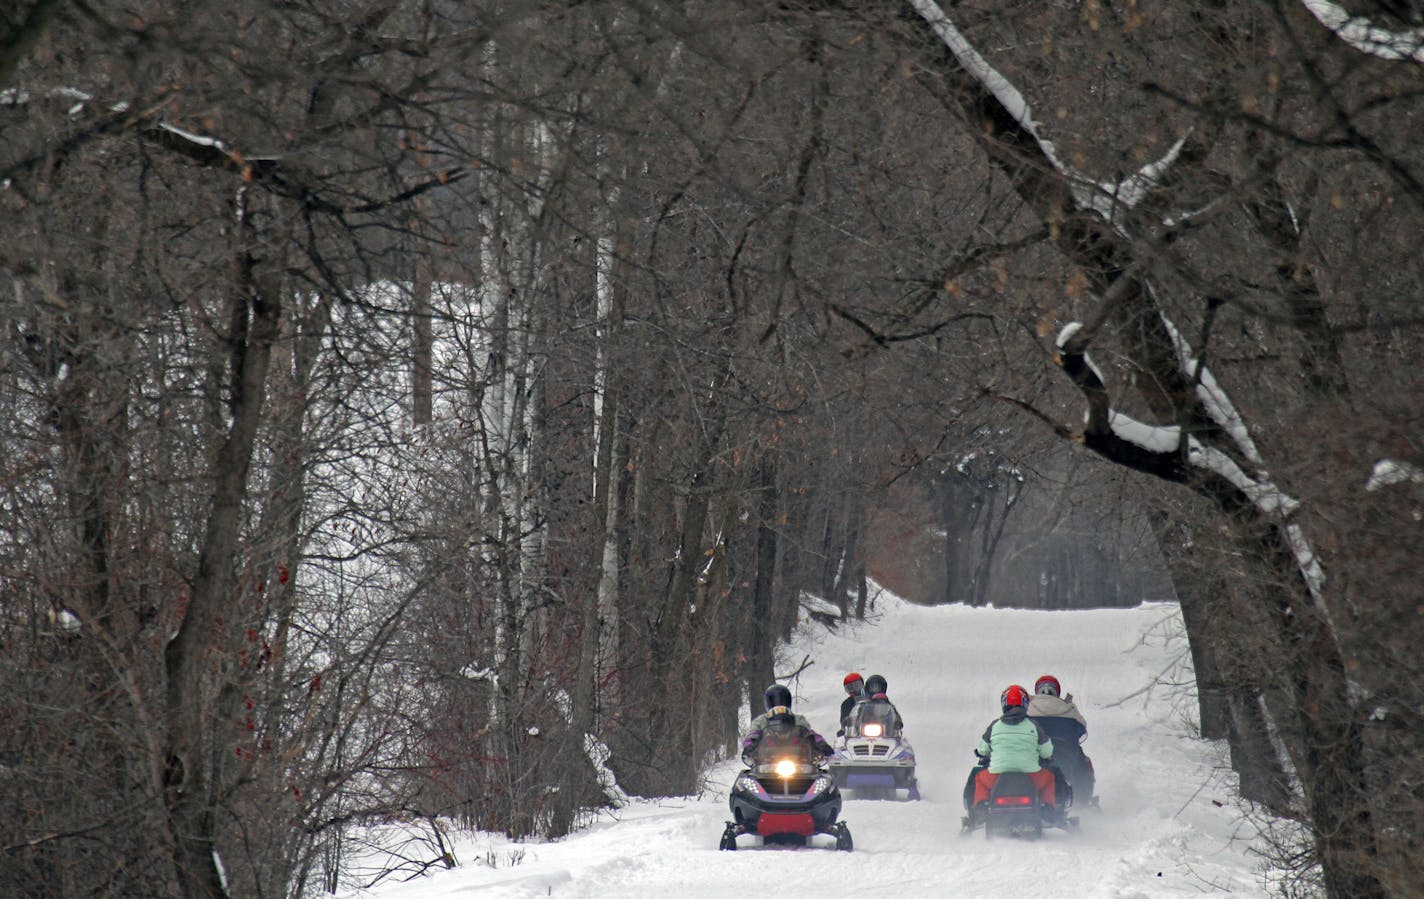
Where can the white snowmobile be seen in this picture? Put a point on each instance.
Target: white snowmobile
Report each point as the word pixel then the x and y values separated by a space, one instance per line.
pixel 872 758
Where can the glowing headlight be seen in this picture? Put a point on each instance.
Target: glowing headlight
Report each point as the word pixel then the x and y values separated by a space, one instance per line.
pixel 785 768
pixel 872 730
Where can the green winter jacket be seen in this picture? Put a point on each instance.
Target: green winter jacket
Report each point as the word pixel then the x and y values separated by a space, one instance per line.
pixel 1014 743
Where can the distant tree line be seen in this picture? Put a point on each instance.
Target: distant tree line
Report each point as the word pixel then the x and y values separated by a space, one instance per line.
pixel 438 412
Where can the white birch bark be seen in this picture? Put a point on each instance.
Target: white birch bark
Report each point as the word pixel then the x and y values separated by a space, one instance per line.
pixel 608 586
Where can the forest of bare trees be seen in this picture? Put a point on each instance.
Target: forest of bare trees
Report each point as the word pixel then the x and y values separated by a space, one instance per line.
pixel 409 406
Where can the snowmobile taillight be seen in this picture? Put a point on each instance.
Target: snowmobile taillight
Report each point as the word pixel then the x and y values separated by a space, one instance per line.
pixel 872 730
pixel 1013 800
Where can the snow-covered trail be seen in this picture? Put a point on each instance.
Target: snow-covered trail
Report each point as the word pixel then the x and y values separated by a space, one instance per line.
pixel 1166 827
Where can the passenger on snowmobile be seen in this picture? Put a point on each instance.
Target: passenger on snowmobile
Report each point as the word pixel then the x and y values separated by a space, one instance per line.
pixel 855 692
pixel 1048 701
pixel 875 691
pixel 1060 719
pixel 1014 742
pixel 778 710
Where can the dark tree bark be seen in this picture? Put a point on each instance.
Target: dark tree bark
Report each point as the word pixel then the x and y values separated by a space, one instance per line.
pixel 760 669
pixel 1329 755
pixel 189 776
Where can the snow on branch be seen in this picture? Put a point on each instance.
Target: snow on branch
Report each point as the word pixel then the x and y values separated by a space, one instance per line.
pixel 1258 489
pixel 1211 395
pixel 1153 438
pixel 1003 91
pixel 1103 197
pixel 1162 443
pixel 1388 472
pixel 598 755
pixel 597 752
pixel 1358 32
pixel 20 97
pixel 282 176
pixel 1149 448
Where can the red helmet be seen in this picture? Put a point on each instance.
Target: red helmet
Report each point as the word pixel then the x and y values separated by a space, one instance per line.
pixel 1013 697
pixel 853 682
pixel 1047 686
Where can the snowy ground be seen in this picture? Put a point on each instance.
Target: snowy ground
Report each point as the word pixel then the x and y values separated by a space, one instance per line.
pixel 1167 826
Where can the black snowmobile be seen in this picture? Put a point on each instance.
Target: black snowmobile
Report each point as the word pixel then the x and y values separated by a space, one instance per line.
pixel 1014 809
pixel 786 794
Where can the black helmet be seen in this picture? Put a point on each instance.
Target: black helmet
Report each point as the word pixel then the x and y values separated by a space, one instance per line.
pixel 776 695
pixel 875 684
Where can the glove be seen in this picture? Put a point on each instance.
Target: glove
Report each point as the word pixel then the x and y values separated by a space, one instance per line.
pixel 841 732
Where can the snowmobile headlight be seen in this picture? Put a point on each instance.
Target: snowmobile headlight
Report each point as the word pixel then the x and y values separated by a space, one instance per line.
pixel 746 783
pixel 820 785
pixel 872 730
pixel 786 768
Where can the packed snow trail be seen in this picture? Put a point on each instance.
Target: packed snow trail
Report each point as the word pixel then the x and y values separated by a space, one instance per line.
pixel 1166 827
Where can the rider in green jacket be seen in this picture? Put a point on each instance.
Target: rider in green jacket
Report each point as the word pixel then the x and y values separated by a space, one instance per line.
pixel 1014 742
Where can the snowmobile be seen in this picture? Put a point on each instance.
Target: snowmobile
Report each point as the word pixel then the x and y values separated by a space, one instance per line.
pixel 1068 756
pixel 872 759
pixel 786 794
pixel 1014 809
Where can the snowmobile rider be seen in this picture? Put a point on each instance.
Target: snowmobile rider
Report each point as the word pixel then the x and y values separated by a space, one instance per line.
pixel 1014 742
pixel 855 692
pixel 778 709
pixel 1048 702
pixel 875 688
pixel 1070 727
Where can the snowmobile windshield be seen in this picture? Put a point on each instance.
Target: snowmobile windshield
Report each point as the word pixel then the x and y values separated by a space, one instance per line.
pixel 873 719
pixel 784 742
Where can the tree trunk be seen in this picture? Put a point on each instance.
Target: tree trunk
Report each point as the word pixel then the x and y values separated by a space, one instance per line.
pixel 959 514
pixel 760 661
pixel 1330 757
pixel 205 632
pixel 422 367
pixel 850 563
